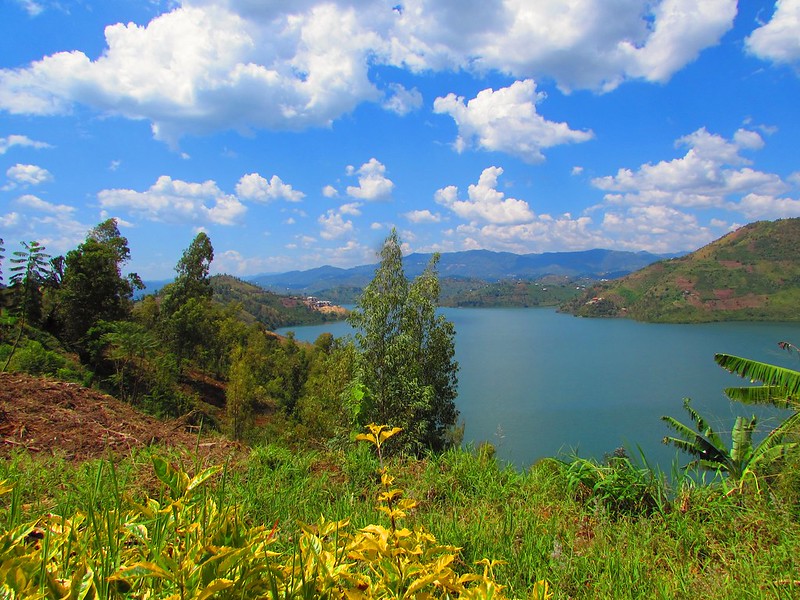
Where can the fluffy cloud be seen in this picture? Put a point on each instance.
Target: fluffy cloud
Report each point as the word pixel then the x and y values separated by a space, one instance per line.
pixel 656 229
pixel 373 184
pixel 236 64
pixel 779 39
pixel 329 191
pixel 506 121
pixel 423 216
pixel 402 101
pixel 710 172
pixel 351 208
pixel 255 187
pixel 333 225
pixel 485 202
pixel 36 203
pixel 26 175
pixel 759 206
pixel 200 69
pixel 9 220
pixel 680 30
pixel 19 140
pixel 174 201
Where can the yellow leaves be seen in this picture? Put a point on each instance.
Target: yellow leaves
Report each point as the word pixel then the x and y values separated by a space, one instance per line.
pixel 187 548
pixel 378 434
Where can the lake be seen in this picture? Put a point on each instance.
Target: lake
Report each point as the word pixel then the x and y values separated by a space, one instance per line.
pixel 537 383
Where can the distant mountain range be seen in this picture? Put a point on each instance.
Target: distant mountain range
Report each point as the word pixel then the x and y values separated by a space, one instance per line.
pixel 483 265
pixel 752 273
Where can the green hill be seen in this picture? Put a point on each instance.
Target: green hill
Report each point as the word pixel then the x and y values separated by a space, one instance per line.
pixel 750 274
pixel 269 309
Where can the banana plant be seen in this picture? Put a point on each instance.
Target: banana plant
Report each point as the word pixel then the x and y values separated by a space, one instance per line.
pixel 779 387
pixel 743 459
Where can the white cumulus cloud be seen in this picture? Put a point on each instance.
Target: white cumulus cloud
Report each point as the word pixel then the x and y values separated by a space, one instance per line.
pixel 333 225
pixel 711 171
pixel 36 203
pixel 779 39
pixel 423 216
pixel 506 120
pixel 26 175
pixel 198 69
pixel 207 66
pixel 12 140
pixel 485 202
pixel 174 201
pixel 373 184
pixel 401 100
pixel 255 187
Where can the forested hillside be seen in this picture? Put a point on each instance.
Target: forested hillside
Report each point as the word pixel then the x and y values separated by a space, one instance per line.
pixel 752 273
pixel 261 306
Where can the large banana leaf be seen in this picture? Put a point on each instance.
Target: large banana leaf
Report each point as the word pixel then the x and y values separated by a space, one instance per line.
pixel 742 440
pixel 763 394
pixel 704 444
pixel 781 386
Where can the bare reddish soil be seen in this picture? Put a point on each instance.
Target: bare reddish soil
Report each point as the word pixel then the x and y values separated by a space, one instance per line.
pixel 79 423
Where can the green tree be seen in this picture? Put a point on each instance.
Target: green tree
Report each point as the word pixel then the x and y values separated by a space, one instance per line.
pixel 241 394
pixel 408 374
pixel 29 274
pixel 192 280
pixel 186 305
pixel 322 408
pixel 93 288
pixel 132 349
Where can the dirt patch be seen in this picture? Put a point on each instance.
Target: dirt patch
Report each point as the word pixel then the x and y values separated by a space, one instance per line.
pixel 737 302
pixel 48 416
pixel 333 310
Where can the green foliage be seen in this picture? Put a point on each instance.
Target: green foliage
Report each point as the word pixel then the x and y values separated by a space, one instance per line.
pixel 618 486
pixel 549 291
pixel 192 280
pixel 322 407
pixel 133 351
pixel 33 358
pixel 527 521
pixel 408 369
pixel 780 388
pixel 29 273
pixel 189 543
pixel 93 288
pixel 27 283
pixel 241 395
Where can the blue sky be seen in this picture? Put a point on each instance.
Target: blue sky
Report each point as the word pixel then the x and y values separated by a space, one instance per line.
pixel 297 134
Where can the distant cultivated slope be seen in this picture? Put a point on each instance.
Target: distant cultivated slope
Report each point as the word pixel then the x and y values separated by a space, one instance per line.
pixel 750 274
pixel 271 310
pixel 475 264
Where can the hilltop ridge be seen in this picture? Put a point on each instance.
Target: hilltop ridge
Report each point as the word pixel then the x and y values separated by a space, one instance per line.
pixel 752 273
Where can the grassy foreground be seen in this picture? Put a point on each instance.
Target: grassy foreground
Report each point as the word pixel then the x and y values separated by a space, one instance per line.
pixel 609 531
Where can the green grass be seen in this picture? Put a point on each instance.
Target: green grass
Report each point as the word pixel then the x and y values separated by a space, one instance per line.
pixel 587 540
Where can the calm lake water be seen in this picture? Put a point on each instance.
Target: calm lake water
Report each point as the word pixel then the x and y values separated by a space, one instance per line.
pixel 538 383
